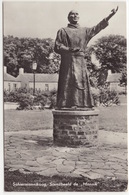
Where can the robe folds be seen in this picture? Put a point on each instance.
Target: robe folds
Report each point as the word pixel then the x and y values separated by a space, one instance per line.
pixel 73 83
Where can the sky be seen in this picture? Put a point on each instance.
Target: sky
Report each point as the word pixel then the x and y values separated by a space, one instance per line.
pixel 43 19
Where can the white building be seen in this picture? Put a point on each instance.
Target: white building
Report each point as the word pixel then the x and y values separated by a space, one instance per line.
pixel 10 82
pixel 45 82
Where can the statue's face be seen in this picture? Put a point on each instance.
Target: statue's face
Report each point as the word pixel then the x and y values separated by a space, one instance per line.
pixel 73 17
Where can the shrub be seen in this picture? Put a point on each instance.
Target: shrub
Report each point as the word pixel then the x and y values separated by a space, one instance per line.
pixel 122 93
pixel 95 95
pixel 40 100
pixel 10 96
pixel 6 93
pixel 108 97
pixel 13 96
pixel 25 102
pixel 52 101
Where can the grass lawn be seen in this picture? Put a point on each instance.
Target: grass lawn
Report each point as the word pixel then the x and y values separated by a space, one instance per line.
pixel 15 120
pixel 113 118
pixel 110 119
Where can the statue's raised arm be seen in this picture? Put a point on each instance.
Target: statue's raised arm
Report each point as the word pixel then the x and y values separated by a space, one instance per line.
pixel 113 12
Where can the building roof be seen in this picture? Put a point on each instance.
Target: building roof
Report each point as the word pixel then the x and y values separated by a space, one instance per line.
pixel 8 77
pixel 114 78
pixel 39 77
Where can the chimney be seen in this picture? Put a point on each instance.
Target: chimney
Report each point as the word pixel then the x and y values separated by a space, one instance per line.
pixel 5 69
pixel 21 71
pixel 109 72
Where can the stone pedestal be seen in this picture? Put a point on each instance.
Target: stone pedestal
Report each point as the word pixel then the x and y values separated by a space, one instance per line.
pixel 75 128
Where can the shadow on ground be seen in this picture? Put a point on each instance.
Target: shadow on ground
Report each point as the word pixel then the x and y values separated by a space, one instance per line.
pixel 44 142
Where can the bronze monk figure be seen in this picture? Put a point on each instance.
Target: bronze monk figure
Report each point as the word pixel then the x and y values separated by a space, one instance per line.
pixel 71 43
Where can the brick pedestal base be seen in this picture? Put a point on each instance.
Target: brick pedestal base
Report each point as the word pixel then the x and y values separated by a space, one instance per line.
pixel 74 128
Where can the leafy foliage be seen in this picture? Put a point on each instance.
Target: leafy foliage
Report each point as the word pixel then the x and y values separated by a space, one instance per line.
pixel 25 102
pixel 26 99
pixel 123 79
pixel 108 97
pixel 42 99
pixel 110 51
pixel 22 52
pixel 53 98
pixel 96 96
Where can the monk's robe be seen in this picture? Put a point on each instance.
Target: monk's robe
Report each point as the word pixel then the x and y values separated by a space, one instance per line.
pixel 73 84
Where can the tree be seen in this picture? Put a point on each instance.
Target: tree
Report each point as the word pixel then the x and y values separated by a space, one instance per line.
pixel 21 52
pixel 10 55
pixel 123 79
pixel 110 51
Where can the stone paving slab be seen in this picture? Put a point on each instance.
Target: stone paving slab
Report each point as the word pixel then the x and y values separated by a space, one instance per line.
pixel 34 152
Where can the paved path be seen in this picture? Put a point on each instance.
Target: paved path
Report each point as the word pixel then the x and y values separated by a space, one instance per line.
pixel 33 151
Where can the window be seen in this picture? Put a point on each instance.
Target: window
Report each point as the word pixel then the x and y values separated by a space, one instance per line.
pixel 46 87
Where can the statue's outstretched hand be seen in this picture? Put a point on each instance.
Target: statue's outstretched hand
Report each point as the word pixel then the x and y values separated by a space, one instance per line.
pixel 114 10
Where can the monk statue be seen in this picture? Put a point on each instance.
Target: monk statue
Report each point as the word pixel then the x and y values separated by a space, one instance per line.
pixel 71 43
